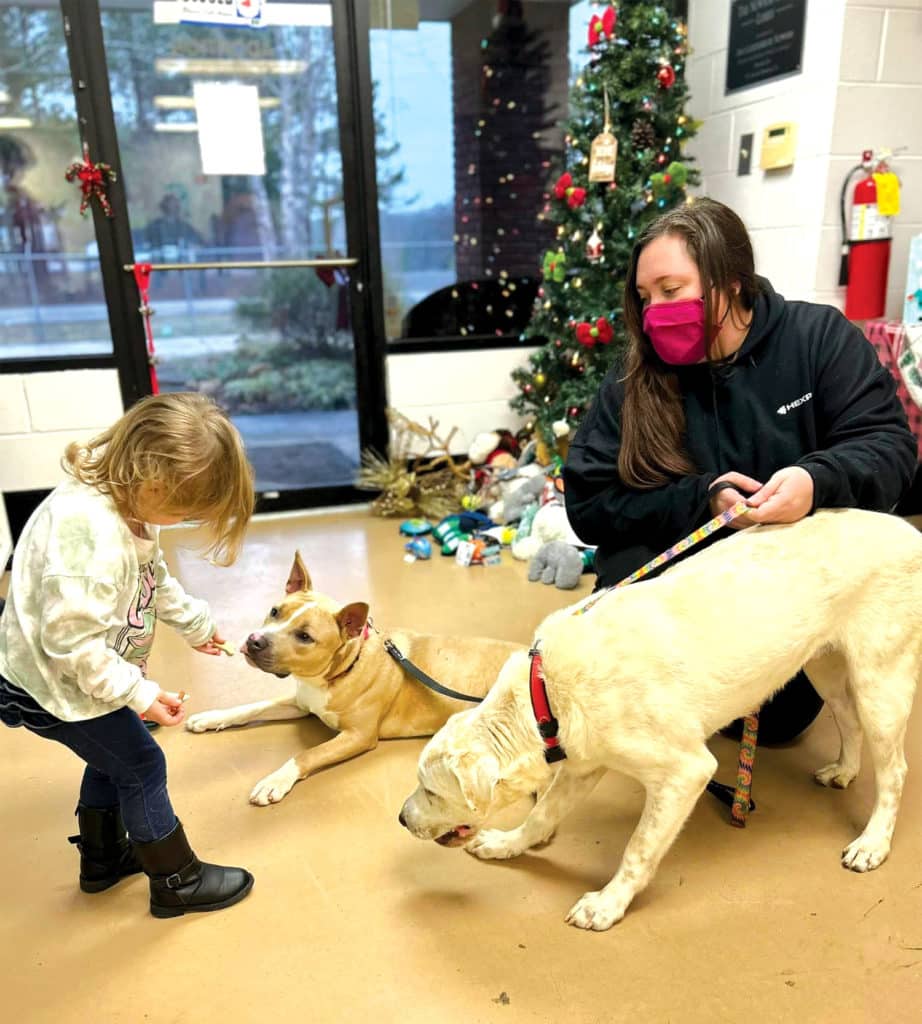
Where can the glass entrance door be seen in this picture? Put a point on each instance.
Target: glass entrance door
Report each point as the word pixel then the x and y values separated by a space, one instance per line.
pixel 228 133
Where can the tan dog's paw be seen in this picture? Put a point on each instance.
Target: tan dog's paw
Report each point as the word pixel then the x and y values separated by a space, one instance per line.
pixel 273 787
pixel 594 911
pixel 207 721
pixel 494 844
pixel 865 854
pixel 834 775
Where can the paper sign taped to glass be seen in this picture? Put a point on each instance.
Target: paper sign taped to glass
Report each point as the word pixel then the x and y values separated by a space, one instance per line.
pixel 230 133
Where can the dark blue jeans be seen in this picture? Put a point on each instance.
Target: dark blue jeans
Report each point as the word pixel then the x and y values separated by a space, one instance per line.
pixel 124 763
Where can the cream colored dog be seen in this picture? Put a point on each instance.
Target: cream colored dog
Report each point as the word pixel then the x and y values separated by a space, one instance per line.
pixel 643 678
pixel 344 676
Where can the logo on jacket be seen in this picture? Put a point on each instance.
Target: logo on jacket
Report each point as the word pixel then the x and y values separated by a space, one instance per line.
pixel 783 410
pixel 136 637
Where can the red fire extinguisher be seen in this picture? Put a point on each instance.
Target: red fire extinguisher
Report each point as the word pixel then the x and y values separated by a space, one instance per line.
pixel 866 243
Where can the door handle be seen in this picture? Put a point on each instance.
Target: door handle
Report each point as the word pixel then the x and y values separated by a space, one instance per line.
pixel 345 261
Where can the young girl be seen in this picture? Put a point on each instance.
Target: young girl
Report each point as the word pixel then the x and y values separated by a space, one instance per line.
pixel 88 584
pixel 729 391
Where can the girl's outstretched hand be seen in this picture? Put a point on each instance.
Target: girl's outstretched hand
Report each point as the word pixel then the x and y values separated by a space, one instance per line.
pixel 212 646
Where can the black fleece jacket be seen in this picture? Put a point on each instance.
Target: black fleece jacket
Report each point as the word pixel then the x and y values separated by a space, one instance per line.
pixel 806 388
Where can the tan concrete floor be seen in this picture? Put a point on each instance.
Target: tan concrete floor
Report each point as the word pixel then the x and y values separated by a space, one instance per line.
pixel 352 920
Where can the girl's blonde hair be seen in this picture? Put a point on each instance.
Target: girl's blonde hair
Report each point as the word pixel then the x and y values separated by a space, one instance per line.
pixel 185 443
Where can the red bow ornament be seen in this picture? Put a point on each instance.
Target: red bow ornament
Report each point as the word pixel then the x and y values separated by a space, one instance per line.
pixel 94 180
pixel 602 27
pixel 666 76
pixel 599 333
pixel 564 189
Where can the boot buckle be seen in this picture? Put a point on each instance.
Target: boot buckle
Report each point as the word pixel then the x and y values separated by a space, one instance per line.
pixel 173 881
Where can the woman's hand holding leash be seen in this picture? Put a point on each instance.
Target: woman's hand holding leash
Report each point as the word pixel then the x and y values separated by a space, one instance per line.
pixel 785 498
pixel 727 490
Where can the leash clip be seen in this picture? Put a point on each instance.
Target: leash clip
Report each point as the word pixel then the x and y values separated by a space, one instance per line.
pixel 548 727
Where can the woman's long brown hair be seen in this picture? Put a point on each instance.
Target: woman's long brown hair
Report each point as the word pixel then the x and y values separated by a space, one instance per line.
pixel 653 449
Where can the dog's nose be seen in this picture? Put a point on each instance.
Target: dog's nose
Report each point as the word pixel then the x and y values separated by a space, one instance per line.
pixel 402 819
pixel 257 642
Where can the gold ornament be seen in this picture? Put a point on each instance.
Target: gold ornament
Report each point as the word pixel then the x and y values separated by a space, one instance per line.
pixel 603 153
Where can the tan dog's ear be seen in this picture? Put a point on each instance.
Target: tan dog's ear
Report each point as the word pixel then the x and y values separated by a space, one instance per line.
pixel 299 578
pixel 352 618
pixel 477 775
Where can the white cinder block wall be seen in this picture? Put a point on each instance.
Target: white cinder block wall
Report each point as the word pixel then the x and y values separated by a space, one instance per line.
pixel 861 87
pixel 878 103
pixel 41 413
pixel 467 390
pixel 784 209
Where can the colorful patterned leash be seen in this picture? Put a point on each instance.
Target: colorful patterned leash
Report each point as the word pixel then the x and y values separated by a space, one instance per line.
pixel 742 803
pixel 739 798
pixel 711 526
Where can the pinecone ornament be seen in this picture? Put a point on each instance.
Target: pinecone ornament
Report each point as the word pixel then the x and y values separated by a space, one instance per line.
pixel 642 135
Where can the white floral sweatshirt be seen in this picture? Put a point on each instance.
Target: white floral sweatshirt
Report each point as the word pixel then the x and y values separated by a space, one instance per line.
pixel 84 599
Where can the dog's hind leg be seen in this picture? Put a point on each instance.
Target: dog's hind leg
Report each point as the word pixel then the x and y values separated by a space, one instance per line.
pixel 829 675
pixel 883 707
pixel 673 787
pixel 565 790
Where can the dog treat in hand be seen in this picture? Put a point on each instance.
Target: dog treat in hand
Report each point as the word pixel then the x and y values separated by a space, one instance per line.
pixel 228 649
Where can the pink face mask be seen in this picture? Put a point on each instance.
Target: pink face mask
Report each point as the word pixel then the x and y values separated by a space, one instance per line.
pixel 676 331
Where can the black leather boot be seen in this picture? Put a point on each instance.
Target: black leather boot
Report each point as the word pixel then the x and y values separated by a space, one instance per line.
pixel 106 855
pixel 180 883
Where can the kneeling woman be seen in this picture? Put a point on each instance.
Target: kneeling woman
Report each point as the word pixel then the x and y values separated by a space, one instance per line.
pixel 728 391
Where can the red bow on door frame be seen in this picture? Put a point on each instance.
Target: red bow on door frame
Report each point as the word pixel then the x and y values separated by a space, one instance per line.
pixel 94 180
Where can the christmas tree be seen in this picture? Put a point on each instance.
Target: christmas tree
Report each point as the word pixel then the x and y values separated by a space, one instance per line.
pixel 623 167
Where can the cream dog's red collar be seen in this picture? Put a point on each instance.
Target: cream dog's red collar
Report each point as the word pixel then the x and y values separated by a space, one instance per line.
pixel 541 706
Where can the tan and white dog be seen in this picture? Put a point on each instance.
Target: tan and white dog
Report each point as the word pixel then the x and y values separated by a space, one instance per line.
pixel 643 678
pixel 344 676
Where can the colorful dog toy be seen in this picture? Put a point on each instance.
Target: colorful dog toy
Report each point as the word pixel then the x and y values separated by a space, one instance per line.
pixel 415 527
pixel 449 534
pixel 419 547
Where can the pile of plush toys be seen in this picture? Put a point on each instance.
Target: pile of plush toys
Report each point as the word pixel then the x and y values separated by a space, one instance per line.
pixel 515 501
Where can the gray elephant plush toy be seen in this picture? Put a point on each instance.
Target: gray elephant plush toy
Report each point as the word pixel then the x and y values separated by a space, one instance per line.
pixel 559 563
pixel 523 496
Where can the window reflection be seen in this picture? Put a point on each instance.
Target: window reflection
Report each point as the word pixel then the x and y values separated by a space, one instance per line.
pixel 473 94
pixel 51 298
